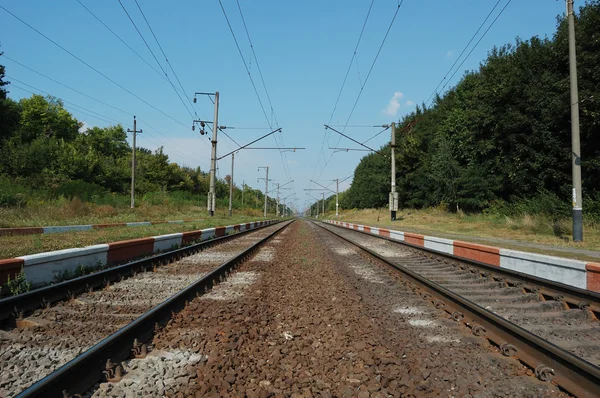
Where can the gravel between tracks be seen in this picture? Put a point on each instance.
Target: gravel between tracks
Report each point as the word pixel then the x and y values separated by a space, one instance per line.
pixel 310 317
pixel 60 333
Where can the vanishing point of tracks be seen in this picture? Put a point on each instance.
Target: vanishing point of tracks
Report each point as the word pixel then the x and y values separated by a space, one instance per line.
pixel 108 315
pixel 551 327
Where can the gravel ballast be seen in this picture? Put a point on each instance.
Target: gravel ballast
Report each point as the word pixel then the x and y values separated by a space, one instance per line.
pixel 309 316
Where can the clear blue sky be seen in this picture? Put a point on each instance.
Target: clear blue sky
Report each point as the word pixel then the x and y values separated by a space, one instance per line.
pixel 303 49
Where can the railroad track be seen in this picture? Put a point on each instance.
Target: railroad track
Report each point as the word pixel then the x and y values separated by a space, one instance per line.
pixel 107 315
pixel 551 327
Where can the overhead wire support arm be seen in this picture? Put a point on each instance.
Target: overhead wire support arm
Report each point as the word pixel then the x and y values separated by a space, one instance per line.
pixel 353 140
pixel 330 190
pixel 250 143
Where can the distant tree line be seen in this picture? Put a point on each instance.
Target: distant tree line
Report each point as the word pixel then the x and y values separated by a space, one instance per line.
pixel 44 150
pixel 501 138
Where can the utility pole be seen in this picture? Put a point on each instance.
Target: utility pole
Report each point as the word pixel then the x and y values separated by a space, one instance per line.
pixel 212 195
pixel 135 132
pixel 231 186
pixel 243 189
pixel 393 193
pixel 323 193
pixel 575 144
pixel 277 212
pixel 337 203
pixel 266 187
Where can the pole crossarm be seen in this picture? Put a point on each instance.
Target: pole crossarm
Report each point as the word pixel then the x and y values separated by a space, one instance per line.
pixel 353 140
pixel 250 143
pixel 330 190
pixel 350 149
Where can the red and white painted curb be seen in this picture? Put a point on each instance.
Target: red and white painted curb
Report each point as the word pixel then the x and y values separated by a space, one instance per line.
pixel 581 274
pixel 88 227
pixel 42 267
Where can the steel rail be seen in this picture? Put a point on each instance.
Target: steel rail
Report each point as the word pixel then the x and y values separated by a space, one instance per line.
pixel 81 373
pixel 550 362
pixel 574 296
pixel 15 307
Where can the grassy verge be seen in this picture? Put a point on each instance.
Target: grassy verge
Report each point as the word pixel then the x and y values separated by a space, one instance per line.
pixel 13 246
pixel 513 233
pixel 76 212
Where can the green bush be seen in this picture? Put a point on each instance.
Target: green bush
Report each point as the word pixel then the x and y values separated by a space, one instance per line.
pixel 19 284
pixel 12 193
pixel 85 191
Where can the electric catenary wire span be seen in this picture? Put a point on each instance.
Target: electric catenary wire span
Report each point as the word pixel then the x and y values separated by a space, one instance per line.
pixel 263 83
pixel 165 55
pixel 154 56
pixel 343 84
pixel 446 82
pixel 94 99
pixel 159 73
pixel 91 67
pixel 96 115
pixel 366 80
pixel 252 82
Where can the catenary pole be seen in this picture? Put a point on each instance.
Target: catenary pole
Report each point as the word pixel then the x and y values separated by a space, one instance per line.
pixel 393 193
pixel 231 186
pixel 135 131
pixel 575 144
pixel 212 196
pixel 337 203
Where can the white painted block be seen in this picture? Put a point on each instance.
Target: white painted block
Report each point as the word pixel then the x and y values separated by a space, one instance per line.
pixel 229 229
pixel 242 227
pixel 42 267
pixel 66 228
pixel 208 233
pixel 564 270
pixel 439 244
pixel 361 227
pixel 374 231
pixel 167 242
pixel 139 224
pixel 397 235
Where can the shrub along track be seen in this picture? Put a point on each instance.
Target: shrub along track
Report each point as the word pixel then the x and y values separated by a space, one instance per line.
pixel 542 315
pixel 310 316
pixel 48 338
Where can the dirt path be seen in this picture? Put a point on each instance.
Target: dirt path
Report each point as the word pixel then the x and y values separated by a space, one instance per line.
pixel 309 317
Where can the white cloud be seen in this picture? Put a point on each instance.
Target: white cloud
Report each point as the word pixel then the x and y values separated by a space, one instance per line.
pixel 394 104
pixel 449 54
pixel 409 103
pixel 84 127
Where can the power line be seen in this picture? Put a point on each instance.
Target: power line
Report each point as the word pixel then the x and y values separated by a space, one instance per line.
pixel 120 39
pixel 165 55
pixel 154 56
pixel 366 79
pixel 351 60
pixel 66 86
pixel 90 97
pixel 265 88
pixel 90 66
pixel 257 64
pixel 476 44
pixel 342 87
pixel 95 115
pixel 285 167
pixel 463 51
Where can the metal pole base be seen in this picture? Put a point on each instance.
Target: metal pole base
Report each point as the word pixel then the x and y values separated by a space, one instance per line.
pixel 577 225
pixel 393 215
pixel 212 213
pixel 230 212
